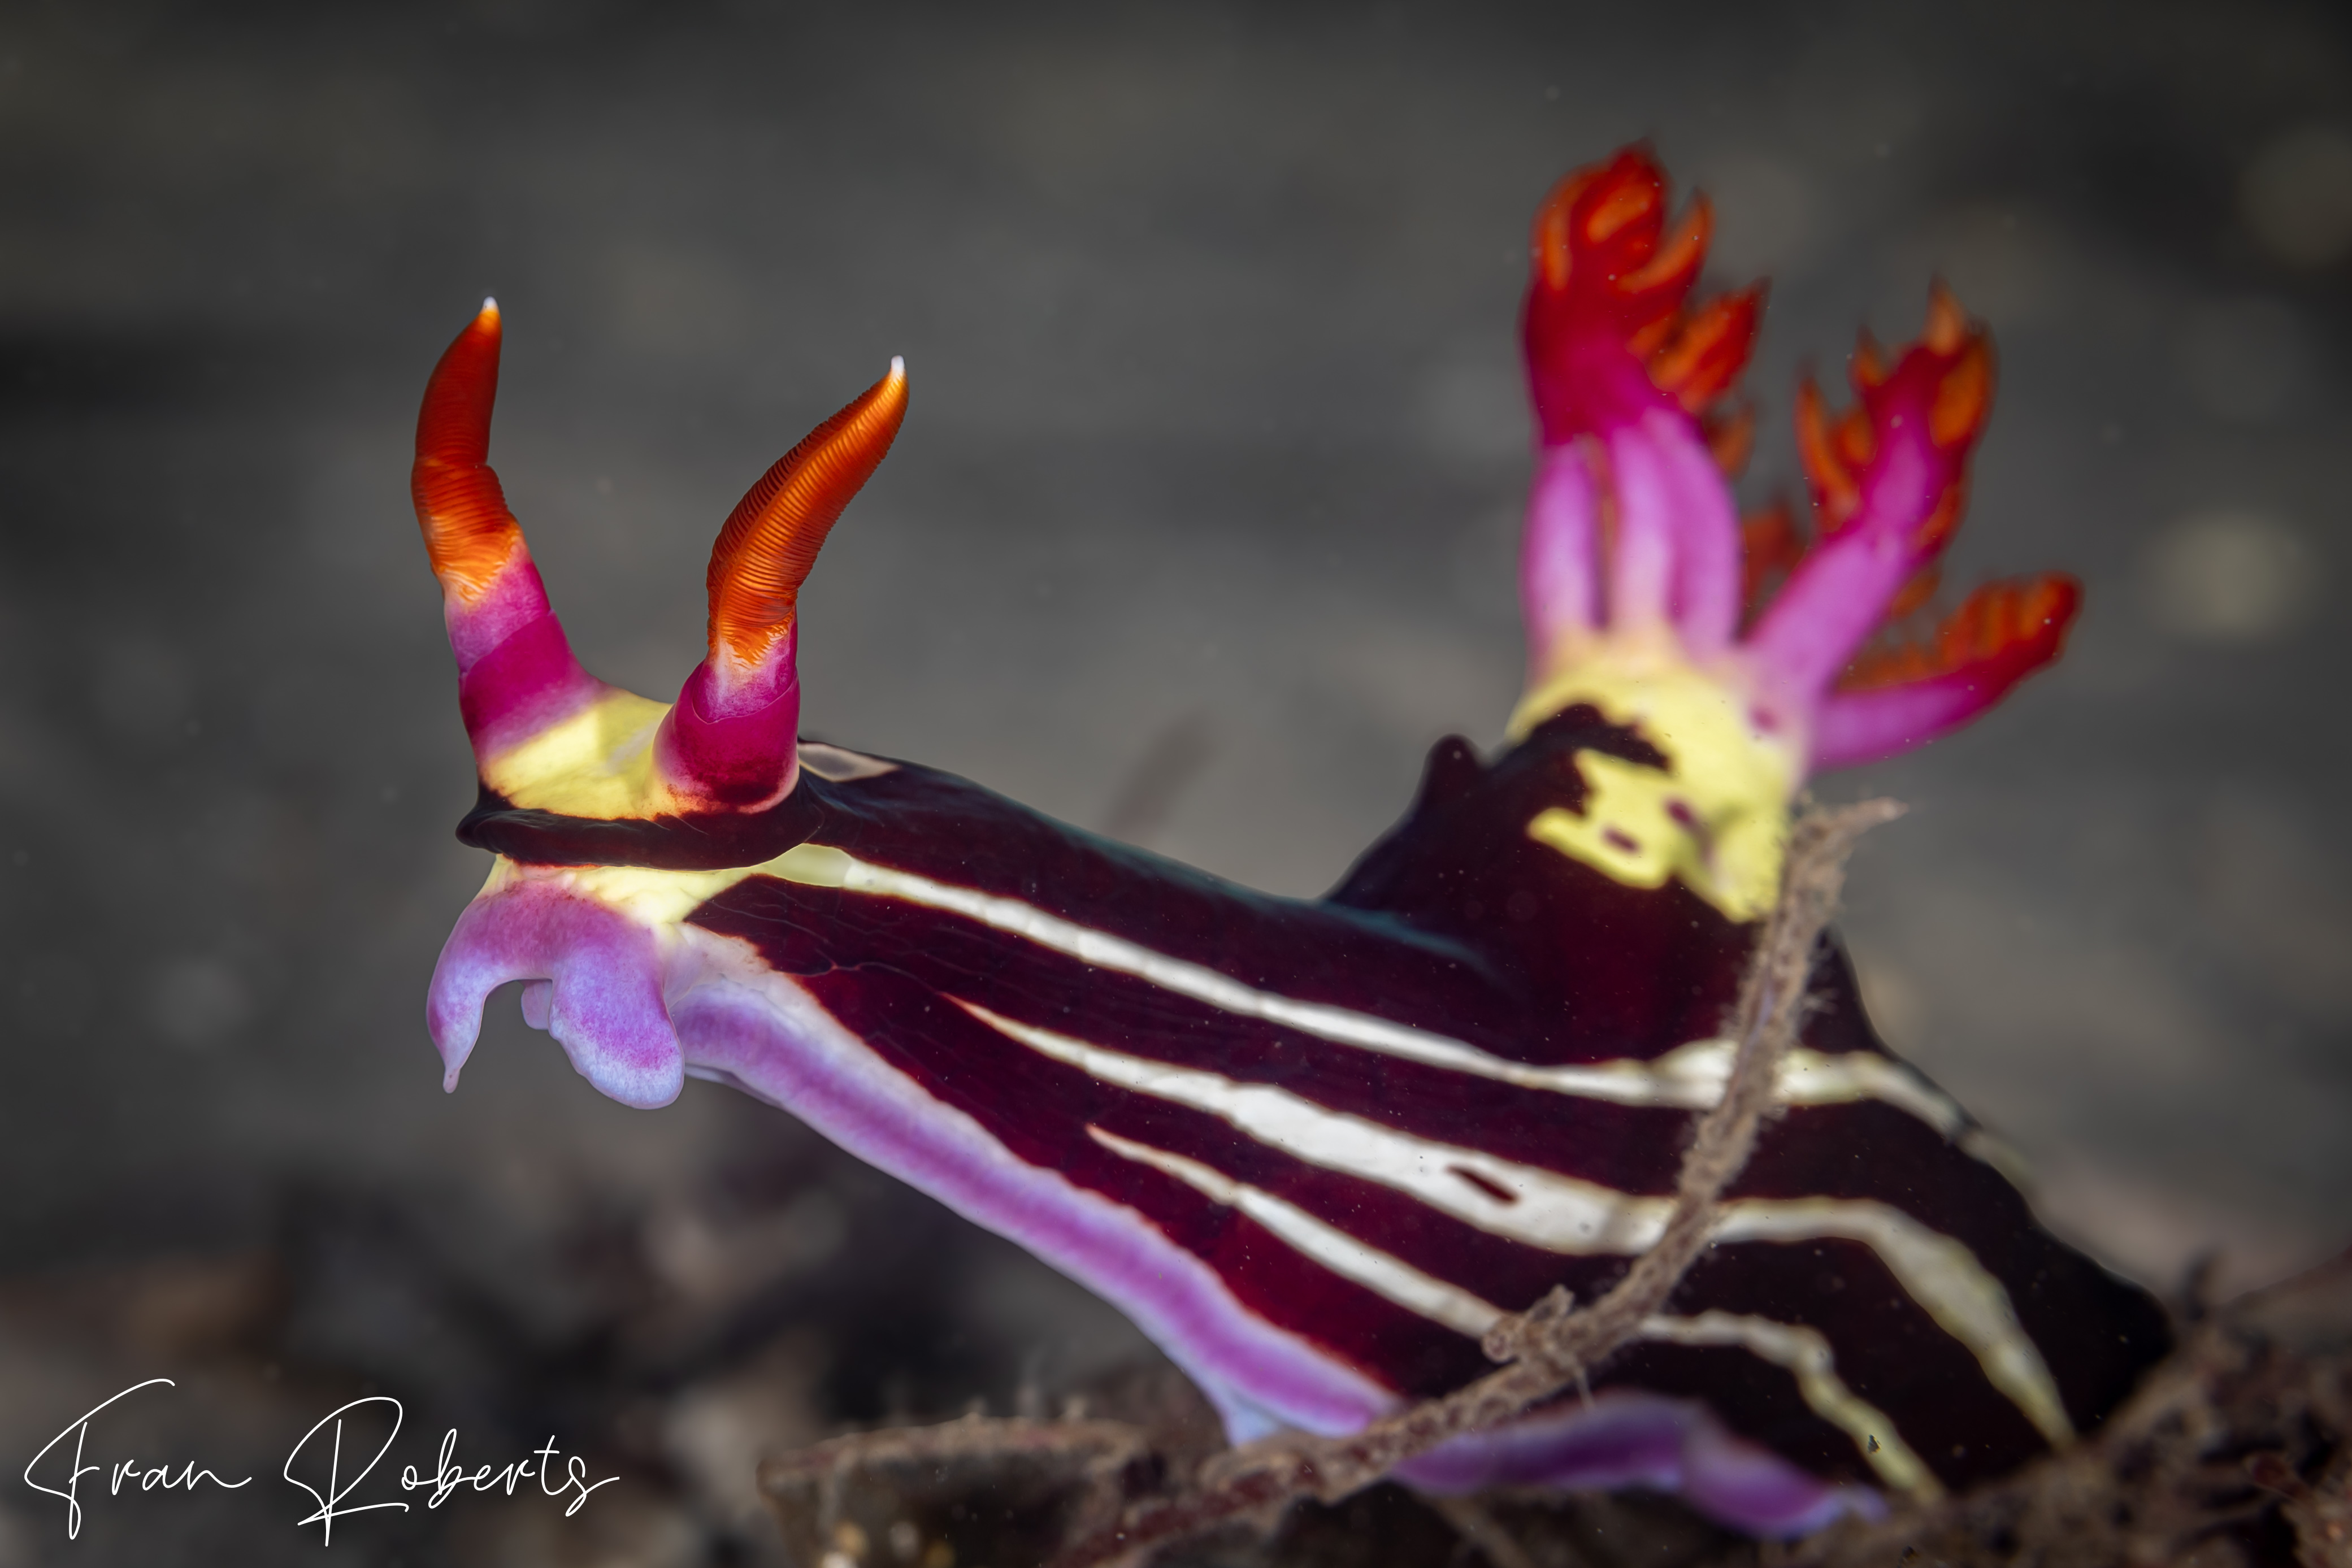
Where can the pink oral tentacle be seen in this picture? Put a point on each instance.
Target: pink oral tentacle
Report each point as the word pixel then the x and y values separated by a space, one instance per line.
pixel 603 996
pixel 1705 598
pixel 1555 556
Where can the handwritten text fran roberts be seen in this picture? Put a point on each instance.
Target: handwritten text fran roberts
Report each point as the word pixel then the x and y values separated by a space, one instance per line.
pixel 317 1465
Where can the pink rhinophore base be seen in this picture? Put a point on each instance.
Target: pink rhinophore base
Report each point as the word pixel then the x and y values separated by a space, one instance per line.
pixel 732 744
pixel 516 672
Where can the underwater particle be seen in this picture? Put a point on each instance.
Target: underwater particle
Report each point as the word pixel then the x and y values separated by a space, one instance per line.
pixel 2226 577
pixel 2296 195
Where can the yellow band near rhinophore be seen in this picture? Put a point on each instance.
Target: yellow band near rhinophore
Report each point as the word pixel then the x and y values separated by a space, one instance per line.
pixel 599 763
pixel 1716 815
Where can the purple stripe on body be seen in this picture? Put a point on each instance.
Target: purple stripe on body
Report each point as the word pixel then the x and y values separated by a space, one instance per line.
pixel 1625 1437
pixel 1864 1150
pixel 1041 1108
pixel 777 1042
pixel 774 1039
pixel 1002 1085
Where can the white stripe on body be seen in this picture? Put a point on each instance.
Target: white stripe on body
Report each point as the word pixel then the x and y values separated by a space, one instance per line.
pixel 1803 1351
pixel 1690 1077
pixel 1564 1214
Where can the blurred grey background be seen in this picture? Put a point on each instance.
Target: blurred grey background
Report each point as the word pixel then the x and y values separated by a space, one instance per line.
pixel 1200 531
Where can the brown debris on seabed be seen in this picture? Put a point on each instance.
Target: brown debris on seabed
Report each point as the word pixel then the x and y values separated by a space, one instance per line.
pixel 2236 1453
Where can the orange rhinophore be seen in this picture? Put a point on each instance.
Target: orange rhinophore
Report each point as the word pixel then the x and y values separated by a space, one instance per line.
pixel 469 532
pixel 516 674
pixel 548 735
pixel 771 541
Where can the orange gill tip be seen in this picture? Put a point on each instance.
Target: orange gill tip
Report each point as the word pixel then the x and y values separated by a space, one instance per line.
pixel 1948 324
pixel 771 541
pixel 1836 493
pixel 1632 194
pixel 1678 259
pixel 1730 439
pixel 1869 362
pixel 1708 349
pixel 1963 396
pixel 2021 617
pixel 1550 241
pixel 469 533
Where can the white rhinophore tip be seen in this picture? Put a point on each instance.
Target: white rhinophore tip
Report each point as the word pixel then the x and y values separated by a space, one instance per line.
pixel 489 302
pixel 897 364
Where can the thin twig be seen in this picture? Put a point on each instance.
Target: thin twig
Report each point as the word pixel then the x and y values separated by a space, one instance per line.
pixel 1551 1345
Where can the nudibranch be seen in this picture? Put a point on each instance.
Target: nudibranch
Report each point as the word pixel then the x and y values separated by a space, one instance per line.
pixel 1314 1148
